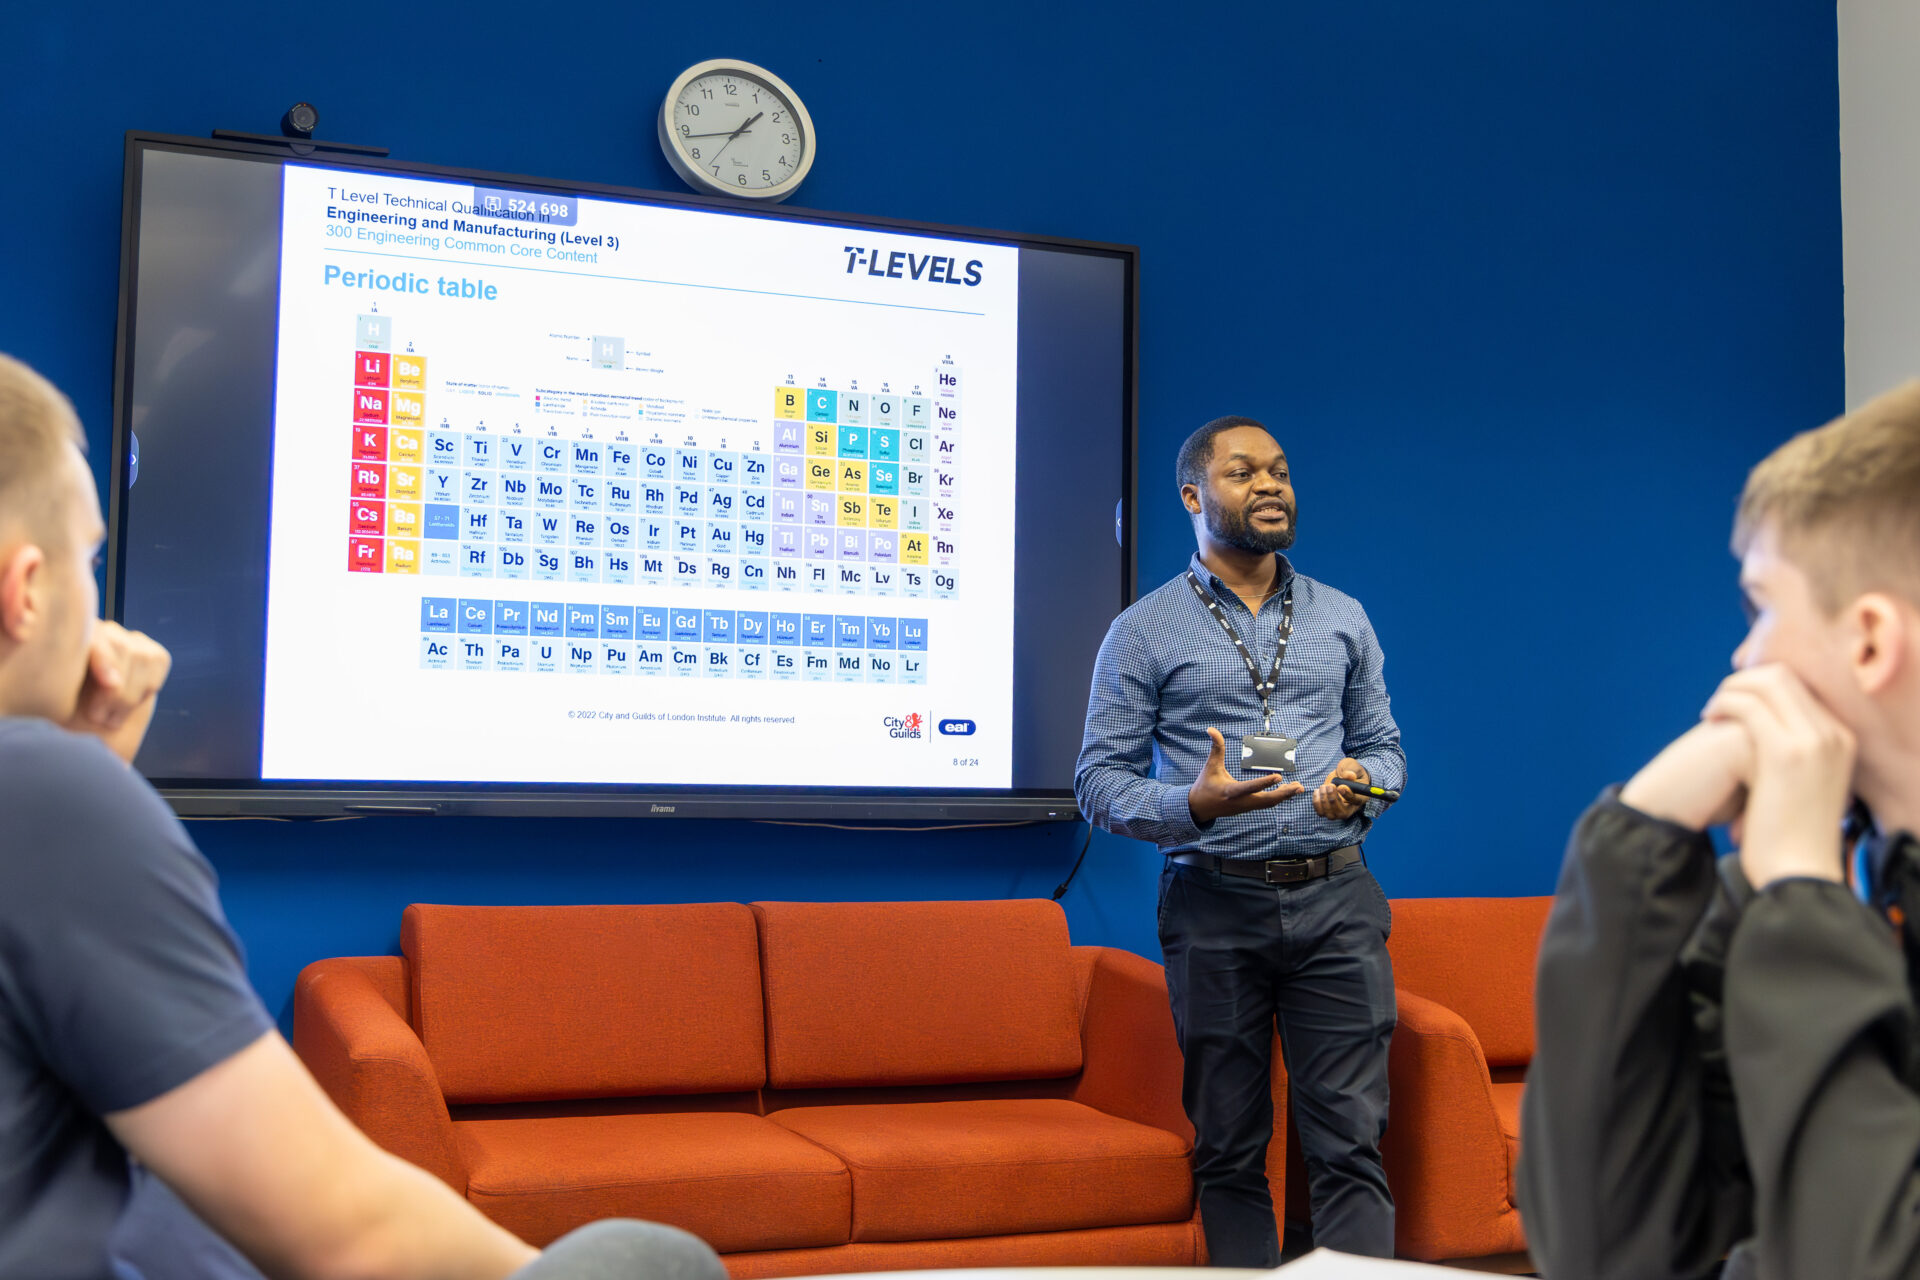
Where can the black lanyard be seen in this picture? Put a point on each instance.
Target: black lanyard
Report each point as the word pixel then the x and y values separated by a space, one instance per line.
pixel 1265 687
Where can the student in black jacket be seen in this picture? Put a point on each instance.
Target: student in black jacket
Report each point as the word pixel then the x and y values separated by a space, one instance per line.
pixel 1728 1057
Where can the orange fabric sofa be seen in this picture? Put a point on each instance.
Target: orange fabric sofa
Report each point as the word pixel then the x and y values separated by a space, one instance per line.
pixel 1463 978
pixel 811 1088
pixel 1463 974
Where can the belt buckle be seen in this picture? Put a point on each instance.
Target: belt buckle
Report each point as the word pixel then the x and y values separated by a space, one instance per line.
pixel 1287 872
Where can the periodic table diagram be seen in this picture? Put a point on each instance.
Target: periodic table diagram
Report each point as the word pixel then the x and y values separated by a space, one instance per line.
pixel 844 493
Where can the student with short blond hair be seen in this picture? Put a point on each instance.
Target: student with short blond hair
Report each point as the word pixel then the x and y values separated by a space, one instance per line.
pixel 1846 497
pixel 1727 1057
pixel 127 1026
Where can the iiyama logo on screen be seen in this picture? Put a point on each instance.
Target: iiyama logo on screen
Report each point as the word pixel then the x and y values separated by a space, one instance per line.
pixel 911 725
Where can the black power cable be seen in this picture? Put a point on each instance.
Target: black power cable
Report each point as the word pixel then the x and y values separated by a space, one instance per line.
pixel 1085 845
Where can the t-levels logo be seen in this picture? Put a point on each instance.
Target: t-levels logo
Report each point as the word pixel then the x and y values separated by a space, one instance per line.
pixel 911 266
pixel 911 725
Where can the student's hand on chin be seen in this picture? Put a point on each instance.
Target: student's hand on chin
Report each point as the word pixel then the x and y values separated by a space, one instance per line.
pixel 1699 781
pixel 1802 775
pixel 125 670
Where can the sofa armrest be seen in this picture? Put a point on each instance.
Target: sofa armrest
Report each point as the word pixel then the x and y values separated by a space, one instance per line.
pixel 1446 1155
pixel 1131 1063
pixel 348 1027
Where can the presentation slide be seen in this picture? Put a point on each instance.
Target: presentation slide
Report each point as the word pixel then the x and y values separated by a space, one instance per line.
pixel 580 491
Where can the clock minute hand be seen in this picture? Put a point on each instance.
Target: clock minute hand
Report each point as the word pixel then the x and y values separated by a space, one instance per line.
pixel 725 133
pixel 744 125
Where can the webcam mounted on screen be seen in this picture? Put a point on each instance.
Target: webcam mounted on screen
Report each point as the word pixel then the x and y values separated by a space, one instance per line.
pixel 296 135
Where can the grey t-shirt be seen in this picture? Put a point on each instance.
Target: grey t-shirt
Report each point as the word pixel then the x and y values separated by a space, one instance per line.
pixel 119 980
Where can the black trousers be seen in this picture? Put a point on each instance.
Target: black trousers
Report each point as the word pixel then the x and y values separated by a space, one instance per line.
pixel 1242 958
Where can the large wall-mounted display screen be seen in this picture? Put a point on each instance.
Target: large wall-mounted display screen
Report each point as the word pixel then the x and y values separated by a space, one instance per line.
pixel 458 492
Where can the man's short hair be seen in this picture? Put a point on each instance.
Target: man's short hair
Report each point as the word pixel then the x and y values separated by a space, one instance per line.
pixel 1197 452
pixel 1844 501
pixel 37 424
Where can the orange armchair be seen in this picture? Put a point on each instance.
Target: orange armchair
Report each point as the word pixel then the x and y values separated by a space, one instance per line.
pixel 1463 970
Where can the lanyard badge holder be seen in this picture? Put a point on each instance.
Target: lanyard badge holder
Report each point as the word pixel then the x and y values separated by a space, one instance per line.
pixel 1266 751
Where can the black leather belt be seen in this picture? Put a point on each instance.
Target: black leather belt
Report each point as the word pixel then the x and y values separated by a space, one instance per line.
pixel 1278 870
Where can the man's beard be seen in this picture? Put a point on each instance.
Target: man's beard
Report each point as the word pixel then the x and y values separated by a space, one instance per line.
pixel 1235 529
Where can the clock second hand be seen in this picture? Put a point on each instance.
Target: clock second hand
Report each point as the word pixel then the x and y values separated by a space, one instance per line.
pixel 736 133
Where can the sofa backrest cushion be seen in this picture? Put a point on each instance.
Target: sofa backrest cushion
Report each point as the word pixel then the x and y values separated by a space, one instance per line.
pixel 524 1003
pixel 894 993
pixel 1475 956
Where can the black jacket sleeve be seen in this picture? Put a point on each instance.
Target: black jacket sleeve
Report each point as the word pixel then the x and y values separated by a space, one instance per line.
pixel 1821 1037
pixel 1630 1163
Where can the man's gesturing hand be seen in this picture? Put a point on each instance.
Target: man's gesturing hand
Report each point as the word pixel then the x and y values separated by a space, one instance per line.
pixel 1330 800
pixel 125 670
pixel 1217 793
pixel 1802 777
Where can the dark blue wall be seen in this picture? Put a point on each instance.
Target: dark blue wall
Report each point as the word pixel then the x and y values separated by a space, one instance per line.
pixel 1522 288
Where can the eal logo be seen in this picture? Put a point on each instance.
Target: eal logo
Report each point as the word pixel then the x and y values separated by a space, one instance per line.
pixel 908 726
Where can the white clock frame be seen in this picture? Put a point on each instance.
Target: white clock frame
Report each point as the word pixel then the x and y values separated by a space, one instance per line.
pixel 690 170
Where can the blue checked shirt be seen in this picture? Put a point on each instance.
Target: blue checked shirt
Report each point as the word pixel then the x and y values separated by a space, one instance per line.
pixel 1167 672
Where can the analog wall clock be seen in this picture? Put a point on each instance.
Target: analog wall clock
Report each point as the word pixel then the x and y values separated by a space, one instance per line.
pixel 731 128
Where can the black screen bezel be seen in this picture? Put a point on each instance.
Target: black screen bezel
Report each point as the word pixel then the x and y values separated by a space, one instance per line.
pixel 255 798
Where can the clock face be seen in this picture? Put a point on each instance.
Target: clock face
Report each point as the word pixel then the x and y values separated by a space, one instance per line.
pixel 739 133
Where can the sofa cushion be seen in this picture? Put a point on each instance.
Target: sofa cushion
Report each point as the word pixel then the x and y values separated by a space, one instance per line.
pixel 736 1181
pixel 890 993
pixel 524 1003
pixel 942 1170
pixel 1476 957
